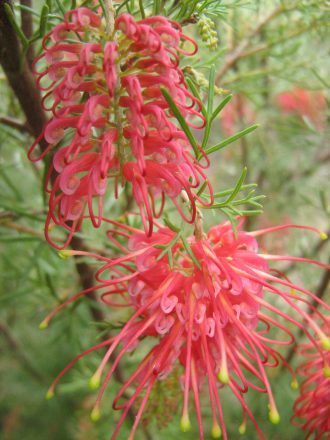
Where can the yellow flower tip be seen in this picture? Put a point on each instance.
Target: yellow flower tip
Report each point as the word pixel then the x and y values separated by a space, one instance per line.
pixel 323 236
pixel 242 428
pixel 185 424
pixel 325 343
pixel 44 324
pixel 295 385
pixel 326 371
pixel 293 292
pixel 65 254
pixel 95 415
pixel 274 417
pixel 94 382
pixel 50 394
pixel 223 376
pixel 216 431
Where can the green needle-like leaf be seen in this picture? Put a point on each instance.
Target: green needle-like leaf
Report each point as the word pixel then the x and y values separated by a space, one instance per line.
pixel 181 120
pixel 230 140
pixel 190 252
pixel 211 92
pixel 234 193
pixel 222 104
pixel 168 248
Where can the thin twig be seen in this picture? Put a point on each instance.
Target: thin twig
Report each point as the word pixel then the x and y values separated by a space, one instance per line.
pixel 233 56
pixel 15 123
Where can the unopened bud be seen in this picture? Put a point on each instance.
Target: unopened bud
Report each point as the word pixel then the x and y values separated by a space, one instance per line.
pixel 326 371
pixel 94 382
pixel 65 254
pixel 223 376
pixel 50 394
pixel 44 324
pixel 242 428
pixel 295 385
pixel 95 415
pixel 216 431
pixel 185 424
pixel 274 417
pixel 325 343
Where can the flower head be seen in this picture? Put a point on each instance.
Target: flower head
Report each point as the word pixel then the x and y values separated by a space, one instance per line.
pixel 208 305
pixel 312 408
pixel 109 118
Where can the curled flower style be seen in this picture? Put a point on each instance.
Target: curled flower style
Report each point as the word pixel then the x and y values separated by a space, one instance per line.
pixel 312 408
pixel 109 118
pixel 209 305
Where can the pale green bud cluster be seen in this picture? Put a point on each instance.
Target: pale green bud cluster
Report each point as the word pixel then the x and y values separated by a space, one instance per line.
pixel 202 82
pixel 208 32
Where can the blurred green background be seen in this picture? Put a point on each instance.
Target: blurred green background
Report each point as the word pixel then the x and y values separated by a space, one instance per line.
pixel 271 55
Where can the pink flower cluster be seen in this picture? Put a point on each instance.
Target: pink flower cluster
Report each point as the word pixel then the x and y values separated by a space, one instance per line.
pixel 312 408
pixel 209 303
pixel 214 314
pixel 110 119
pixel 305 103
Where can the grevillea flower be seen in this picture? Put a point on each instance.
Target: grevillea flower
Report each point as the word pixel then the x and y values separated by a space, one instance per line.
pixel 305 103
pixel 109 118
pixel 210 305
pixel 312 408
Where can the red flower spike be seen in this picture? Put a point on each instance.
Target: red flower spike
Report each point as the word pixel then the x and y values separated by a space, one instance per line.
pixel 213 319
pixel 95 86
pixel 312 408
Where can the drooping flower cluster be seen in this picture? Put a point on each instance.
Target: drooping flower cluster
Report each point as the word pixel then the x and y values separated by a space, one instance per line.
pixel 110 118
pixel 312 408
pixel 209 305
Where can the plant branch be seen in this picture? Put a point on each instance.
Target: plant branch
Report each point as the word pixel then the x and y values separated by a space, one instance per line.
pixel 19 75
pixel 15 123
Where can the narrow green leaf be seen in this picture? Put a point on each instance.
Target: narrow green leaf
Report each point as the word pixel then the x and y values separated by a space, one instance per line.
pixel 169 246
pixel 16 27
pixel 43 20
pixel 250 212
pixel 233 194
pixel 171 225
pixel 211 92
pixel 238 186
pixel 197 95
pixel 222 104
pixel 229 191
pixel 181 120
pixel 230 140
pixel 60 6
pixel 190 252
pixel 143 14
pixel 27 9
pixel 170 258
pixel 201 189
